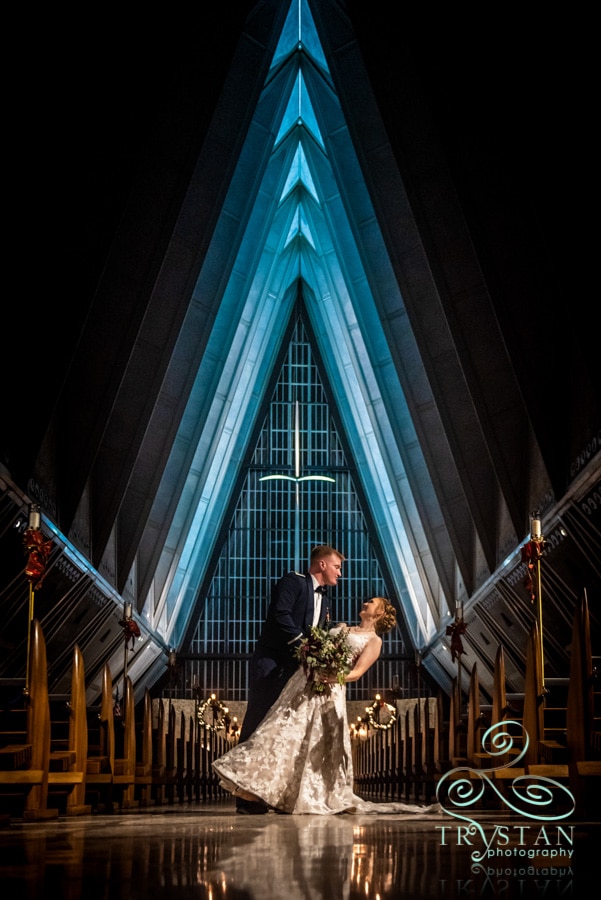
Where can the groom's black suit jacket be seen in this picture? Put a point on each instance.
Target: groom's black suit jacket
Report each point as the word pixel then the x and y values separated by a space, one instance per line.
pixel 289 617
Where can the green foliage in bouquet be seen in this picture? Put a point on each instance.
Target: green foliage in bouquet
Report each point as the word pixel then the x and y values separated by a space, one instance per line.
pixel 325 653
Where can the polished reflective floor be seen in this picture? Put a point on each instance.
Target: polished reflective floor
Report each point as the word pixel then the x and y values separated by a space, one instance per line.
pixel 208 851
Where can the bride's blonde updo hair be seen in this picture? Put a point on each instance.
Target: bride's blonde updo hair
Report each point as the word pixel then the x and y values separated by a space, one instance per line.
pixel 386 621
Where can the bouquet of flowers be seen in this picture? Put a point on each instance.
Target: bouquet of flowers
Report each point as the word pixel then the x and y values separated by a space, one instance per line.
pixel 325 653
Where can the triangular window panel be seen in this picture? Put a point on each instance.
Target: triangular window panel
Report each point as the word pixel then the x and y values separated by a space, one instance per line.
pixel 299 174
pixel 298 491
pixel 300 110
pixel 300 227
pixel 299 30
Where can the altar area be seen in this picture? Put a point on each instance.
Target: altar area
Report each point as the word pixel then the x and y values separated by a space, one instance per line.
pixel 226 716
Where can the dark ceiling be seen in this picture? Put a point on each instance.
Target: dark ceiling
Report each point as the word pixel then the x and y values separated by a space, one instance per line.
pixel 472 136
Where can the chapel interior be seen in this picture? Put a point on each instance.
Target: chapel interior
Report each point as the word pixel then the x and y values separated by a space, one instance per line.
pixel 319 279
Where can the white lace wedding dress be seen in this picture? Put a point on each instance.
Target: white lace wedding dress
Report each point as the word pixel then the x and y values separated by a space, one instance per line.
pixel 299 758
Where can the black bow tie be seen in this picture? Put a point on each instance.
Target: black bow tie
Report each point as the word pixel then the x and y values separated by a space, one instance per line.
pixel 321 589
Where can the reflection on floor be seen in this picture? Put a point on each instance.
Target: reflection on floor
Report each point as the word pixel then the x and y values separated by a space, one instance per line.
pixel 207 851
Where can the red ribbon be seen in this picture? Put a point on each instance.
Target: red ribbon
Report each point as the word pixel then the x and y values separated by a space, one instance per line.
pixel 39 550
pixel 531 553
pixel 130 631
pixel 455 631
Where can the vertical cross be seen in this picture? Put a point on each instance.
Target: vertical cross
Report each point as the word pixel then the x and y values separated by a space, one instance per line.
pixel 297 478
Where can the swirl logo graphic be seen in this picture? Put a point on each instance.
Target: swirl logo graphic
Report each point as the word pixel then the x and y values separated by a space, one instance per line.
pixel 534 797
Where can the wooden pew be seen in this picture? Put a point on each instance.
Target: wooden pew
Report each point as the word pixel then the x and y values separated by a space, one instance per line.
pixel 211 745
pixel 565 720
pixel 186 775
pixel 159 756
pixel 25 755
pixel 101 748
pixel 502 711
pixel 68 766
pixel 181 758
pixel 171 760
pixel 413 758
pixel 442 743
pixel 506 708
pixel 537 758
pixel 16 775
pixel 499 693
pixel 380 765
pixel 403 762
pixel 477 724
pixel 111 761
pixel 124 764
pixel 191 759
pixel 418 752
pixel 398 757
pixel 457 735
pixel 408 735
pixel 164 769
pixel 582 723
pixel 533 712
pixel 144 742
pixel 433 764
pixel 197 750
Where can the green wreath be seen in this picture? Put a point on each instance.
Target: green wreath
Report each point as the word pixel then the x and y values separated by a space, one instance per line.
pixel 218 716
pixel 375 715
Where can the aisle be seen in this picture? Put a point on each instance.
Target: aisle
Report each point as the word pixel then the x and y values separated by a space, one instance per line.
pixel 207 851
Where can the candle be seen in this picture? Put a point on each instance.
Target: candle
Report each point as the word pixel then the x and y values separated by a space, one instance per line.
pixel 536 532
pixel 34 517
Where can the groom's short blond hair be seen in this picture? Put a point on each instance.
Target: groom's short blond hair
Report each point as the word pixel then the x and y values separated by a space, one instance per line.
pixel 322 550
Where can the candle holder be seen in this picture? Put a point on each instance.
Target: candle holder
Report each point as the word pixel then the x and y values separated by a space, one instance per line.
pixel 38 551
pixel 360 729
pixel 455 632
pixel 130 632
pixel 532 553
pixel 234 731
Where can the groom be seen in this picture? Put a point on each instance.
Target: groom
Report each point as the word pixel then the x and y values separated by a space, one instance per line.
pixel 297 603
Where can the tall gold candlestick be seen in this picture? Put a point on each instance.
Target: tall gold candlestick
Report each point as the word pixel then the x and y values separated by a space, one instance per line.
pixel 537 536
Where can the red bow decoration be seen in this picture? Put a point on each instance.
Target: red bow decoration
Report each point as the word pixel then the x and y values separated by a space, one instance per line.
pixel 130 631
pixel 456 631
pixel 531 553
pixel 39 550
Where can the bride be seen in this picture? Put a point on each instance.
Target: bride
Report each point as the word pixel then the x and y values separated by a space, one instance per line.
pixel 298 760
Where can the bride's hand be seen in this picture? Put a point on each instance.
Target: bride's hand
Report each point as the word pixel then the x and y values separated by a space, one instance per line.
pixel 329 679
